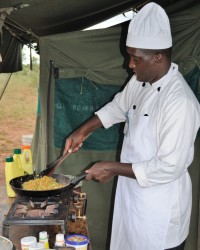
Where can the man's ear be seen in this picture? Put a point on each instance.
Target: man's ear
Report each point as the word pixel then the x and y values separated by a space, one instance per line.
pixel 158 58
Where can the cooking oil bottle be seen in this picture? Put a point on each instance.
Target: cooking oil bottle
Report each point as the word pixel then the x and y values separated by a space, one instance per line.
pixel 26 159
pixel 17 161
pixel 10 173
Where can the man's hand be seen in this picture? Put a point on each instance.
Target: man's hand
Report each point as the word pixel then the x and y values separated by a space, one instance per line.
pixel 74 142
pixel 76 139
pixel 106 170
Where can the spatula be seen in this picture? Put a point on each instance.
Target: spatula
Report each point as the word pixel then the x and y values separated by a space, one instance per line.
pixel 50 168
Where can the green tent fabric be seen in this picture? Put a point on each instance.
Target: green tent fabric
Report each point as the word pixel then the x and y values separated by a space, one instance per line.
pixel 193 80
pixel 10 50
pixel 99 56
pixel 76 59
pixel 76 99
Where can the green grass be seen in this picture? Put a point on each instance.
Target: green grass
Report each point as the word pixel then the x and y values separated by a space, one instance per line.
pixel 18 107
pixel 20 97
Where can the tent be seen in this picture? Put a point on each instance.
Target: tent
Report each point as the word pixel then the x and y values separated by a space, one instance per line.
pixel 25 21
pixel 82 70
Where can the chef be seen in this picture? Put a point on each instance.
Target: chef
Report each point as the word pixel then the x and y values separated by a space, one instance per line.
pixel 162 116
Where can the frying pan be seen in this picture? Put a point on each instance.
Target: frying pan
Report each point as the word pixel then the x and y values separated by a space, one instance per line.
pixel 17 182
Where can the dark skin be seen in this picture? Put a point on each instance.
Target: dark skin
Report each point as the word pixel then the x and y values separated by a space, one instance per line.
pixel 147 67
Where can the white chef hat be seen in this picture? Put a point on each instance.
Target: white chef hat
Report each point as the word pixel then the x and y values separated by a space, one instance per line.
pixel 150 29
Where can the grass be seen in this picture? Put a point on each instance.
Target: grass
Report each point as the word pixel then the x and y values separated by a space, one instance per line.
pixel 18 107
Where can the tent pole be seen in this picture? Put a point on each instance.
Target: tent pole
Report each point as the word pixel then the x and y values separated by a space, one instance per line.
pixel 51 64
pixel 5 86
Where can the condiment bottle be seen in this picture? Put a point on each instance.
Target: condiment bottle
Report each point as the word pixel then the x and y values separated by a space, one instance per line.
pixel 60 240
pixel 26 159
pixel 77 241
pixel 17 161
pixel 27 241
pixel 10 173
pixel 43 238
pixel 36 246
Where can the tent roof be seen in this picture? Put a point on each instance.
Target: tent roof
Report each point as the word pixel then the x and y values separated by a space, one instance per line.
pixel 34 18
pixel 47 17
pixel 25 21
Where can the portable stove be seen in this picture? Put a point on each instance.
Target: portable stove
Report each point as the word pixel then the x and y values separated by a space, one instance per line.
pixel 55 210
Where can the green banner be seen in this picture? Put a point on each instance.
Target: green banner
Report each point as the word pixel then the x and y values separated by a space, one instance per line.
pixel 76 99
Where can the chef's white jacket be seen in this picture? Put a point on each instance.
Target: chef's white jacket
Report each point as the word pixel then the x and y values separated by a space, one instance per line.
pixel 161 123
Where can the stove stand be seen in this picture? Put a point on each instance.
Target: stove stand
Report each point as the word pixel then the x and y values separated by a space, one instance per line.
pixel 38 211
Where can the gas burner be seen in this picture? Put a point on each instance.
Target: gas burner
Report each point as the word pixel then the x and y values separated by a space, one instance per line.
pixel 50 208
pixel 39 211
pixel 36 209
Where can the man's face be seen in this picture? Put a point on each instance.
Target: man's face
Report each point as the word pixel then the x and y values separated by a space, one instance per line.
pixel 143 65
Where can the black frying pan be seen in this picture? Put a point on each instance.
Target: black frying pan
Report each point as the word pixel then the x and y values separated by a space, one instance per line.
pixel 17 182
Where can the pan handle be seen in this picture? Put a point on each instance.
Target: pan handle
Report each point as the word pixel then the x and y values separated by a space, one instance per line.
pixel 75 181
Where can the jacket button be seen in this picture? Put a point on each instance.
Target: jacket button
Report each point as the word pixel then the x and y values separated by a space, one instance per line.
pixel 158 89
pixel 143 85
pixel 134 107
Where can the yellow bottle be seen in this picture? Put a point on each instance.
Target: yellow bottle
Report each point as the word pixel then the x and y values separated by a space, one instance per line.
pixel 26 159
pixel 43 238
pixel 10 173
pixel 17 161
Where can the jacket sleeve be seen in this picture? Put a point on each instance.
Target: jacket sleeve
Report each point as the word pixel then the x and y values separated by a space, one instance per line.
pixel 115 111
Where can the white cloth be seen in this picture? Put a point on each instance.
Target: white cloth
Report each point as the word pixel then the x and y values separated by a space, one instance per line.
pixel 150 29
pixel 153 211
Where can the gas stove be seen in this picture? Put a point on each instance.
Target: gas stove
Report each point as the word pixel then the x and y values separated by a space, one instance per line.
pixel 55 210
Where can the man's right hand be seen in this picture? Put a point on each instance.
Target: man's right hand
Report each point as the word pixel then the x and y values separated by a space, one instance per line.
pixel 75 140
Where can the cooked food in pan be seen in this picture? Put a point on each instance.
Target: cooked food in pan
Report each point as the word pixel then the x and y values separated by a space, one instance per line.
pixel 43 183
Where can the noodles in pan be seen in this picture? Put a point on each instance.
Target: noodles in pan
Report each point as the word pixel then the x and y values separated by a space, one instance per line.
pixel 43 183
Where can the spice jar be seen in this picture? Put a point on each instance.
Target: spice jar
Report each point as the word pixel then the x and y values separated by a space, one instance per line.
pixel 37 246
pixel 27 241
pixel 65 248
pixel 60 240
pixel 78 241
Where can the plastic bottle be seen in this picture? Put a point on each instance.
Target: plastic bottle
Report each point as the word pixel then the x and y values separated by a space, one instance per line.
pixel 77 241
pixel 36 246
pixel 60 240
pixel 27 140
pixel 26 159
pixel 43 238
pixel 17 161
pixel 27 241
pixel 9 175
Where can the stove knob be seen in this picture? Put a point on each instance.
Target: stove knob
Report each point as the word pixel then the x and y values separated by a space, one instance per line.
pixel 72 216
